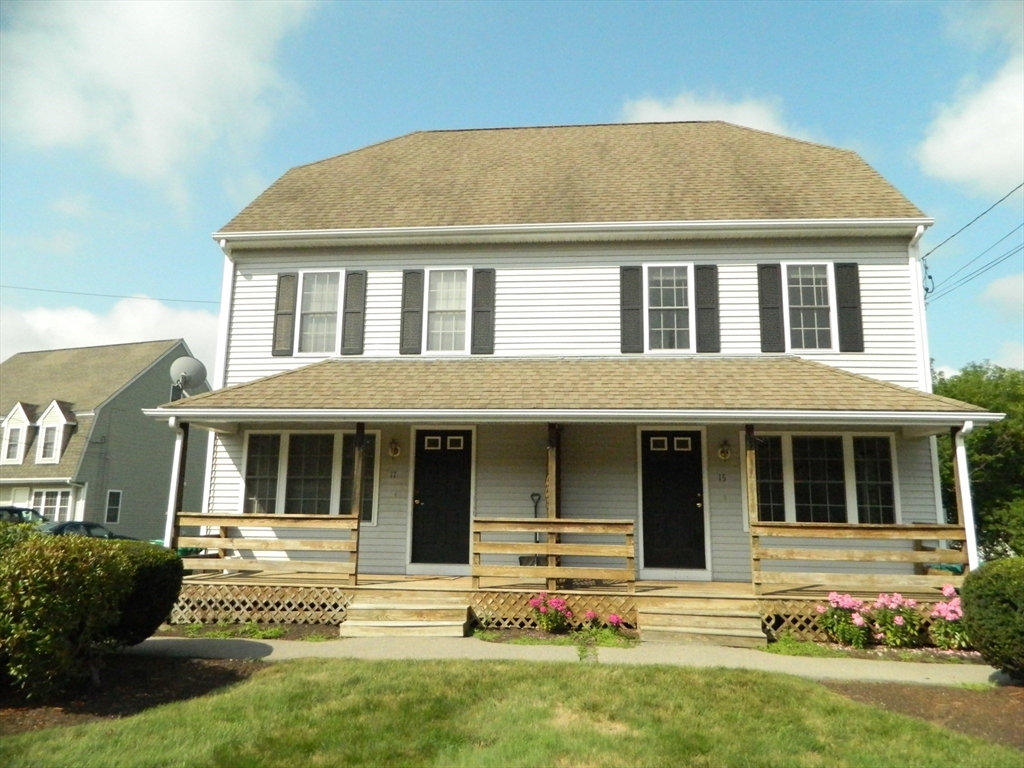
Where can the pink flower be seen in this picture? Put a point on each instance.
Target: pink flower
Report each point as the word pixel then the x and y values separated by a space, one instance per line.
pixel 898 620
pixel 543 609
pixel 821 609
pixel 911 603
pixel 591 616
pixel 568 614
pixel 858 620
pixel 536 602
pixel 948 590
pixel 614 619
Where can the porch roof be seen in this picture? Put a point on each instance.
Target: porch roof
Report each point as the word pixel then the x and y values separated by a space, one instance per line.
pixel 779 389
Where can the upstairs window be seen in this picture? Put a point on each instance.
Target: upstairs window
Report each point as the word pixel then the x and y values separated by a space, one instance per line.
pixel 318 312
pixel 113 507
pixel 446 310
pixel 12 445
pixel 810 323
pixel 668 308
pixel 49 446
pixel 826 479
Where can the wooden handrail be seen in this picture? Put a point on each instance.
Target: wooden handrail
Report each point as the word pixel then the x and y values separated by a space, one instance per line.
pixel 552 548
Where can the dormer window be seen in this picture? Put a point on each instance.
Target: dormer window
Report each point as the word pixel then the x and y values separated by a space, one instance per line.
pixel 52 431
pixel 12 445
pixel 48 444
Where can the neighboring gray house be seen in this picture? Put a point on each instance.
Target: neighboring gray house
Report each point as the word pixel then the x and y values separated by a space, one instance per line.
pixel 75 443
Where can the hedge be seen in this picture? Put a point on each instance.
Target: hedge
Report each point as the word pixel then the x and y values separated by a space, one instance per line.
pixel 993 604
pixel 156 582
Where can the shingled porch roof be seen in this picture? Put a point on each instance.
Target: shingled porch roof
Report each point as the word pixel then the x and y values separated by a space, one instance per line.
pixel 774 389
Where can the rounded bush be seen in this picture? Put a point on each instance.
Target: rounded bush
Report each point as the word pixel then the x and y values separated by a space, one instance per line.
pixel 156 582
pixel 993 604
pixel 12 534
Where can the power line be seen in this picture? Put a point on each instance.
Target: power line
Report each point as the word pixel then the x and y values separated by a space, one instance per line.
pixel 965 266
pixel 978 272
pixel 105 295
pixel 965 226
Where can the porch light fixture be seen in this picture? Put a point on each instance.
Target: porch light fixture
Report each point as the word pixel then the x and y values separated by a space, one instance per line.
pixel 724 450
pixel 394 449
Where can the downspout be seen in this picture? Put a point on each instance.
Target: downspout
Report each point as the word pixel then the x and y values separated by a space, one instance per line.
pixel 924 371
pixel 177 490
pixel 962 481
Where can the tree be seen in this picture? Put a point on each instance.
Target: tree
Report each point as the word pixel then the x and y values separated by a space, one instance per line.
pixel 995 454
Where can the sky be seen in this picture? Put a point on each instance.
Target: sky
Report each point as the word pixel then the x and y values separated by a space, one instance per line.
pixel 130 131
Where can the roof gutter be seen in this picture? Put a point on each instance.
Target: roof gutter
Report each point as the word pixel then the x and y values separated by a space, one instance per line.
pixel 642 416
pixel 574 232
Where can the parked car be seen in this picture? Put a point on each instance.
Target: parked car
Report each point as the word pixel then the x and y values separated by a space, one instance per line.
pixel 10 514
pixel 74 528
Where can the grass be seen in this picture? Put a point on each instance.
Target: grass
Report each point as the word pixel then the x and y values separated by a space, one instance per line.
pixel 605 637
pixel 223 631
pixel 787 645
pixel 472 713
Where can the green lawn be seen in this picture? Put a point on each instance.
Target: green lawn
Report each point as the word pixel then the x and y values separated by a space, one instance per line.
pixel 345 712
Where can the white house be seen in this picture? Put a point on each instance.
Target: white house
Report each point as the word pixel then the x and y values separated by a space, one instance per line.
pixel 711 333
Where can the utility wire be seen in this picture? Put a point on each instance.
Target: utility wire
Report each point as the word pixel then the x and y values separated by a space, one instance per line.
pixel 978 272
pixel 965 266
pixel 105 295
pixel 965 226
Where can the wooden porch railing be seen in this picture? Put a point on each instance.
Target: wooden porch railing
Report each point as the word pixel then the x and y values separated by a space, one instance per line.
pixel 861 536
pixel 222 542
pixel 552 549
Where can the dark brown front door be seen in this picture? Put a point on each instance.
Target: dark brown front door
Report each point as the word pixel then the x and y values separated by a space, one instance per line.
pixel 441 496
pixel 673 499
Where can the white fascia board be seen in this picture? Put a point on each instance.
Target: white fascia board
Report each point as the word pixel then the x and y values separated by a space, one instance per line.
pixel 34 480
pixel 574 232
pixel 873 418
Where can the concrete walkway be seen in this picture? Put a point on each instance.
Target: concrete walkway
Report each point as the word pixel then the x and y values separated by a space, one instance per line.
pixel 645 653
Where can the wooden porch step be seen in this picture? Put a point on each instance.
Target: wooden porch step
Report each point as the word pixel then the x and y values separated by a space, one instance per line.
pixel 740 628
pixel 372 616
pixel 690 604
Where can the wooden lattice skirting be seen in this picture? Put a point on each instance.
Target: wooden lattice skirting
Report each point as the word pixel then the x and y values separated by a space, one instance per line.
pixel 512 610
pixel 800 618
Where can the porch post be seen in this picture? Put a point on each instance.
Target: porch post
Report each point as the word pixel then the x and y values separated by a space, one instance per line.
pixel 356 507
pixel 755 540
pixel 552 490
pixel 962 482
pixel 177 491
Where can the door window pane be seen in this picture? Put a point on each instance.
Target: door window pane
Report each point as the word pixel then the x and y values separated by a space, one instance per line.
pixel 348 454
pixel 771 504
pixel 876 497
pixel 819 479
pixel 318 322
pixel 446 311
pixel 668 308
pixel 310 464
pixel 809 307
pixel 261 474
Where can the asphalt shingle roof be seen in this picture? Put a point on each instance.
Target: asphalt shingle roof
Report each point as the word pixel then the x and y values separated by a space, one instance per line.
pixel 640 172
pixel 755 384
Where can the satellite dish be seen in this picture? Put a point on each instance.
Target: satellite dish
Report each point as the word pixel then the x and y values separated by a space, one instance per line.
pixel 186 373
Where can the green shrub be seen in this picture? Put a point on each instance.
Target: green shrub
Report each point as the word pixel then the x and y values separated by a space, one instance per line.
pixel 12 534
pixel 156 582
pixel 993 605
pixel 59 599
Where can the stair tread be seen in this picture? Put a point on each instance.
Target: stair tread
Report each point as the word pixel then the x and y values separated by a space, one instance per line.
pixel 725 632
pixel 403 623
pixel 696 612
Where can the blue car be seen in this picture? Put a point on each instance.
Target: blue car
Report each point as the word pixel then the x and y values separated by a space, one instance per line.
pixel 76 528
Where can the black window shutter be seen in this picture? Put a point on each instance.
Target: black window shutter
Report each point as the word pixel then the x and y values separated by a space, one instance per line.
pixel 353 322
pixel 631 308
pixel 705 284
pixel 411 342
pixel 483 312
pixel 851 326
pixel 284 313
pixel 769 296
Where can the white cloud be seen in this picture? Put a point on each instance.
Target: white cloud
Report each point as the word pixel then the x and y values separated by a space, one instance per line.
pixel 762 114
pixel 1006 296
pixel 947 371
pixel 1011 355
pixel 150 87
pixel 127 321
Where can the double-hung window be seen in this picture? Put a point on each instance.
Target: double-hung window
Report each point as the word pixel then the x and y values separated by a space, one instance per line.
pixel 318 312
pixel 669 301
pixel 48 447
pixel 446 310
pixel 810 306
pixel 13 445
pixel 308 473
pixel 55 506
pixel 826 479
pixel 113 514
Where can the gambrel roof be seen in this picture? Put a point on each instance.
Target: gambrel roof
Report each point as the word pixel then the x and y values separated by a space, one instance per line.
pixel 638 172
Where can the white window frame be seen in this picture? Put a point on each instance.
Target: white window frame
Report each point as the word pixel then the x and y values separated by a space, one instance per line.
pixel 833 317
pixel 106 509
pixel 61 494
pixel 339 312
pixel 691 309
pixel 849 473
pixel 20 450
pixel 58 439
pixel 424 341
pixel 282 468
